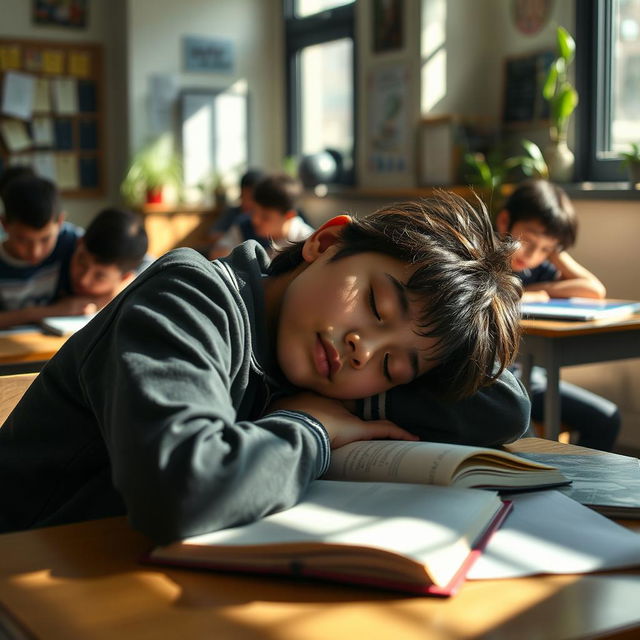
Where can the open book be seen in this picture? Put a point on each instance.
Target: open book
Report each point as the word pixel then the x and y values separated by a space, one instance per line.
pixel 440 464
pixel 579 309
pixel 64 325
pixel 414 538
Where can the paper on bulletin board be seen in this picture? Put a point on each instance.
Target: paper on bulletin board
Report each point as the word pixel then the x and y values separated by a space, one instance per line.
pixel 44 164
pixel 65 95
pixel 9 58
pixel 15 135
pixel 53 61
pixel 67 171
pixel 389 141
pixel 42 131
pixel 79 64
pixel 42 96
pixel 17 95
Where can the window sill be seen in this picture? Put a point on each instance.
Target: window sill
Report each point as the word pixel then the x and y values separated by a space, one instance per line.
pixel 576 191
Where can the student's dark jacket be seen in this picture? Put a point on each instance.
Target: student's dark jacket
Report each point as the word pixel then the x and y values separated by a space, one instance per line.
pixel 154 410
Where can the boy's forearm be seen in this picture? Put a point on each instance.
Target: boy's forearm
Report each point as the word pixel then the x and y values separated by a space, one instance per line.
pixel 495 415
pixel 582 281
pixel 28 315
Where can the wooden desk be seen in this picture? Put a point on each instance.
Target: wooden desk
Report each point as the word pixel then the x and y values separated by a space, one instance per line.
pixel 26 351
pixel 84 582
pixel 553 344
pixel 177 226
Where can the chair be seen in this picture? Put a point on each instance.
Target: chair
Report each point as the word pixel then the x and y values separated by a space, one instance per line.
pixel 12 388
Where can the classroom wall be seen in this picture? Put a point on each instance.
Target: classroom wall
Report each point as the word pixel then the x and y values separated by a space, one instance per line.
pixel 105 19
pixel 154 34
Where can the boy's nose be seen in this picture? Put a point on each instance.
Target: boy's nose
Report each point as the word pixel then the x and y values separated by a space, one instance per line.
pixel 359 350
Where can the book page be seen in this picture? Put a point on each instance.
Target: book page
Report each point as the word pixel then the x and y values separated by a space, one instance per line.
pixel 433 526
pixel 421 462
pixel 547 532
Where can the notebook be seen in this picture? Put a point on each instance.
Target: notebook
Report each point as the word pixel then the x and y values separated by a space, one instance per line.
pixel 579 309
pixel 64 325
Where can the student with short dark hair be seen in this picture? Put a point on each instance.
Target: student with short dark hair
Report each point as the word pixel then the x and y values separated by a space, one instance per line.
pixel 108 256
pixel 275 215
pixel 36 251
pixel 248 181
pixel 210 393
pixel 541 217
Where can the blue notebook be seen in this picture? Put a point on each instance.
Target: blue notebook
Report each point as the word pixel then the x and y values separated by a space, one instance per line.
pixel 579 309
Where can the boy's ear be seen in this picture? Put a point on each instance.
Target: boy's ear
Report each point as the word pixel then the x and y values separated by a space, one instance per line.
pixel 324 237
pixel 292 213
pixel 60 217
pixel 503 221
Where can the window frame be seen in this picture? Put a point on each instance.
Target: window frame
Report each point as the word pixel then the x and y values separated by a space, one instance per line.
pixel 319 28
pixel 593 81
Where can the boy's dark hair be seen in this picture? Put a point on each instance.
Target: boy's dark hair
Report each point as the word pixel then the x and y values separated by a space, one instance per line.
pixel 11 173
pixel 251 178
pixel 279 192
pixel 547 203
pixel 470 297
pixel 30 200
pixel 117 236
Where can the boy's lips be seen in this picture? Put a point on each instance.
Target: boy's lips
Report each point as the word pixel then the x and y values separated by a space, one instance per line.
pixel 326 357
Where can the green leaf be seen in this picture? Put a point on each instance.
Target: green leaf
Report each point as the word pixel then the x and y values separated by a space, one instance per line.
pixel 549 87
pixel 566 44
pixel 532 149
pixel 565 102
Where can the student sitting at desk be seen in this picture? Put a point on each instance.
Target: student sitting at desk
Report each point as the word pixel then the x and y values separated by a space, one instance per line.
pixel 37 250
pixel 108 257
pixel 274 221
pixel 540 215
pixel 182 402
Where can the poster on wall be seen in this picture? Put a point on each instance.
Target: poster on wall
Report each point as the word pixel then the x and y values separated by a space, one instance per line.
pixel 60 13
pixel 389 140
pixel 387 25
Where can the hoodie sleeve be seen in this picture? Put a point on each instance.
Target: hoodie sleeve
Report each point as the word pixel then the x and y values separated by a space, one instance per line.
pixel 495 415
pixel 161 382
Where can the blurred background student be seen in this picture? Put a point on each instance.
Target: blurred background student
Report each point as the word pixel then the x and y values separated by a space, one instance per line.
pixel 540 215
pixel 37 248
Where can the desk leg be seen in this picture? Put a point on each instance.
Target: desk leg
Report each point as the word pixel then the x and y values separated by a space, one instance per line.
pixel 552 402
pixel 526 362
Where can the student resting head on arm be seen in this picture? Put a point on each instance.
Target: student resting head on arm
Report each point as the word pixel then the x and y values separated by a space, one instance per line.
pixel 540 215
pixel 108 256
pixel 37 248
pixel 209 394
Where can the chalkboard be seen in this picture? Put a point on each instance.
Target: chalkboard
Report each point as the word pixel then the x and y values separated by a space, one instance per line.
pixel 523 81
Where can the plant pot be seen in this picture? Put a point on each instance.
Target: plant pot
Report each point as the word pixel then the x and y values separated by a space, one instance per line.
pixel 634 175
pixel 560 160
pixel 154 195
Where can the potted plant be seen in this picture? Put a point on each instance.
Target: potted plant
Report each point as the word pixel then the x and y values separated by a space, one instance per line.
pixel 631 160
pixel 153 168
pixel 563 99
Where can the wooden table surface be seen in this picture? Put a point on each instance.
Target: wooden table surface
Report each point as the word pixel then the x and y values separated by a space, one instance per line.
pixel 84 581
pixel 19 348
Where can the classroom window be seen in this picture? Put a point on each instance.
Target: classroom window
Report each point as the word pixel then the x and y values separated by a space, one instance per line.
pixel 320 79
pixel 304 8
pixel 608 45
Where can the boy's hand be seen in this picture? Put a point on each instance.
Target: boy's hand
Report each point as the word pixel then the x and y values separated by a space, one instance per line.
pixel 535 296
pixel 73 306
pixel 341 425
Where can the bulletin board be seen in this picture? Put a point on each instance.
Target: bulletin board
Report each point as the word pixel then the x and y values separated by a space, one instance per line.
pixel 51 112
